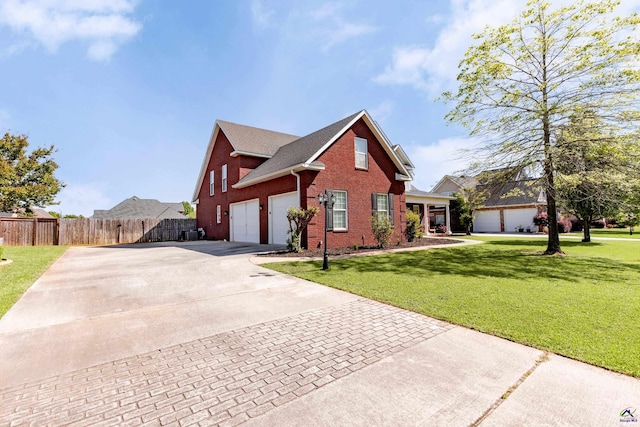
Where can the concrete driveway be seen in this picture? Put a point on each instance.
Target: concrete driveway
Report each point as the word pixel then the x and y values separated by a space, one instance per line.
pixel 196 333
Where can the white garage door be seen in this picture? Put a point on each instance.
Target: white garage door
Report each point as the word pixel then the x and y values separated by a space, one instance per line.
pixel 519 218
pixel 486 222
pixel 278 223
pixel 245 221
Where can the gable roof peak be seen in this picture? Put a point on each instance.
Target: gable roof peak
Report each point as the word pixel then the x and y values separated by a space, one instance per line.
pixel 249 140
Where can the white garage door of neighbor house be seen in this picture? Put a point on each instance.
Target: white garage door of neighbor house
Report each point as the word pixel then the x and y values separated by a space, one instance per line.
pixel 245 221
pixel 486 222
pixel 519 218
pixel 278 223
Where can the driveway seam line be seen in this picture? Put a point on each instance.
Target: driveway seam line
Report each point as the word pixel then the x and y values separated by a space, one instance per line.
pixel 543 358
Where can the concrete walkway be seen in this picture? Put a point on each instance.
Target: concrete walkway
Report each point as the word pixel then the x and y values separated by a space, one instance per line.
pixel 196 334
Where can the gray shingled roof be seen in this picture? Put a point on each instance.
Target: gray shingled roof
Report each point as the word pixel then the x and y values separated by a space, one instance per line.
pixel 254 140
pixel 513 193
pixel 298 152
pixel 135 207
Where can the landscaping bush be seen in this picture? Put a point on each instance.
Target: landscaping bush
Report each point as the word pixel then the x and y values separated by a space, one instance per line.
pixel 413 230
pixel 441 228
pixel 576 225
pixel 541 220
pixel 597 224
pixel 382 230
pixel 564 226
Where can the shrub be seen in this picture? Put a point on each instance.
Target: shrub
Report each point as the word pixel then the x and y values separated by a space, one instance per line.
pixel 413 231
pixel 564 226
pixel 298 220
pixel 576 225
pixel 541 220
pixel 441 228
pixel 382 230
pixel 597 224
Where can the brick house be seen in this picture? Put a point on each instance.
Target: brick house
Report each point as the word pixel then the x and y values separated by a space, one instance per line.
pixel 250 177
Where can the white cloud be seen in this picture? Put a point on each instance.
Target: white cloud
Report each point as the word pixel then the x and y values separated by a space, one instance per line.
pixel 381 112
pixel 445 157
pixel 261 17
pixel 103 24
pixel 432 68
pixel 82 199
pixel 336 29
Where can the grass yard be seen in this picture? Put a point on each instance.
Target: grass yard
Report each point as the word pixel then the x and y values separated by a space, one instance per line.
pixel 29 262
pixel 585 306
pixel 614 232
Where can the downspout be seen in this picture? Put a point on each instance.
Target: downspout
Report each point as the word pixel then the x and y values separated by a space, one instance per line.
pixel 297 185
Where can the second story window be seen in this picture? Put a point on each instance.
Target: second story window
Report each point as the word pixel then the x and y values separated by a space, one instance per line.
pixel 224 178
pixel 212 181
pixel 362 155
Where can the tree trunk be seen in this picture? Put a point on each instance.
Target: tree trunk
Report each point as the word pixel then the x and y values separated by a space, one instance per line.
pixel 586 230
pixel 553 244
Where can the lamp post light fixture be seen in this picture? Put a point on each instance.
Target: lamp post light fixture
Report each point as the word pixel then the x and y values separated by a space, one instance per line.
pixel 327 199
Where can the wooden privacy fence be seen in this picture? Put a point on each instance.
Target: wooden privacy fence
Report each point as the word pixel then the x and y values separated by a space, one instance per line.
pixel 88 231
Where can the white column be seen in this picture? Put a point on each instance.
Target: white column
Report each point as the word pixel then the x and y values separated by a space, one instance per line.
pixel 448 219
pixel 426 219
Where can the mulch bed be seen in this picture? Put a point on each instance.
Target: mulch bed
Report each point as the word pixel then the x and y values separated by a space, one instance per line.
pixel 428 241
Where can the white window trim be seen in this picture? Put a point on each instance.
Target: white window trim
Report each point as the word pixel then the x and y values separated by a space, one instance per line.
pixel 224 178
pixel 346 212
pixel 212 182
pixel 366 153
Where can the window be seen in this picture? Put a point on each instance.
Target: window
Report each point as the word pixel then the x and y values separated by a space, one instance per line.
pixel 362 157
pixel 224 178
pixel 218 216
pixel 382 205
pixel 340 220
pixel 212 180
pixel 382 208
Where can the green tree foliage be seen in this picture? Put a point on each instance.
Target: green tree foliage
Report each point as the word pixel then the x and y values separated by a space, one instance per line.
pixel 521 82
pixel 298 220
pixel 382 229
pixel 596 170
pixel 189 211
pixel 413 230
pixel 469 200
pixel 26 179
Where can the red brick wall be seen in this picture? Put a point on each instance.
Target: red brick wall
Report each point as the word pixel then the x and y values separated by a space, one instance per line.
pixel 206 209
pixel 341 174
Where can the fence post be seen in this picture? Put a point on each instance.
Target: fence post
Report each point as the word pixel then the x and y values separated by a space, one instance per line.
pixel 35 231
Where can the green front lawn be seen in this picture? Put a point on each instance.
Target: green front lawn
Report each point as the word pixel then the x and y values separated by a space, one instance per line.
pixel 585 305
pixel 29 262
pixel 614 232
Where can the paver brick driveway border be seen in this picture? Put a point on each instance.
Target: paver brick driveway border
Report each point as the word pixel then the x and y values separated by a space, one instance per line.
pixel 224 379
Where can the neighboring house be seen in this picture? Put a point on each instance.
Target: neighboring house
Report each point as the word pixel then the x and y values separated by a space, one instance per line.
pixel 135 207
pixel 37 213
pixel 508 206
pixel 250 177
pixel 450 185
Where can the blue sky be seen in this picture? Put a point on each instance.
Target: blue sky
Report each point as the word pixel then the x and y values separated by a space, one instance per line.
pixel 129 90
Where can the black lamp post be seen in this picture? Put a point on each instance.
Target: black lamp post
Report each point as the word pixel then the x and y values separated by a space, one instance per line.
pixel 327 199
